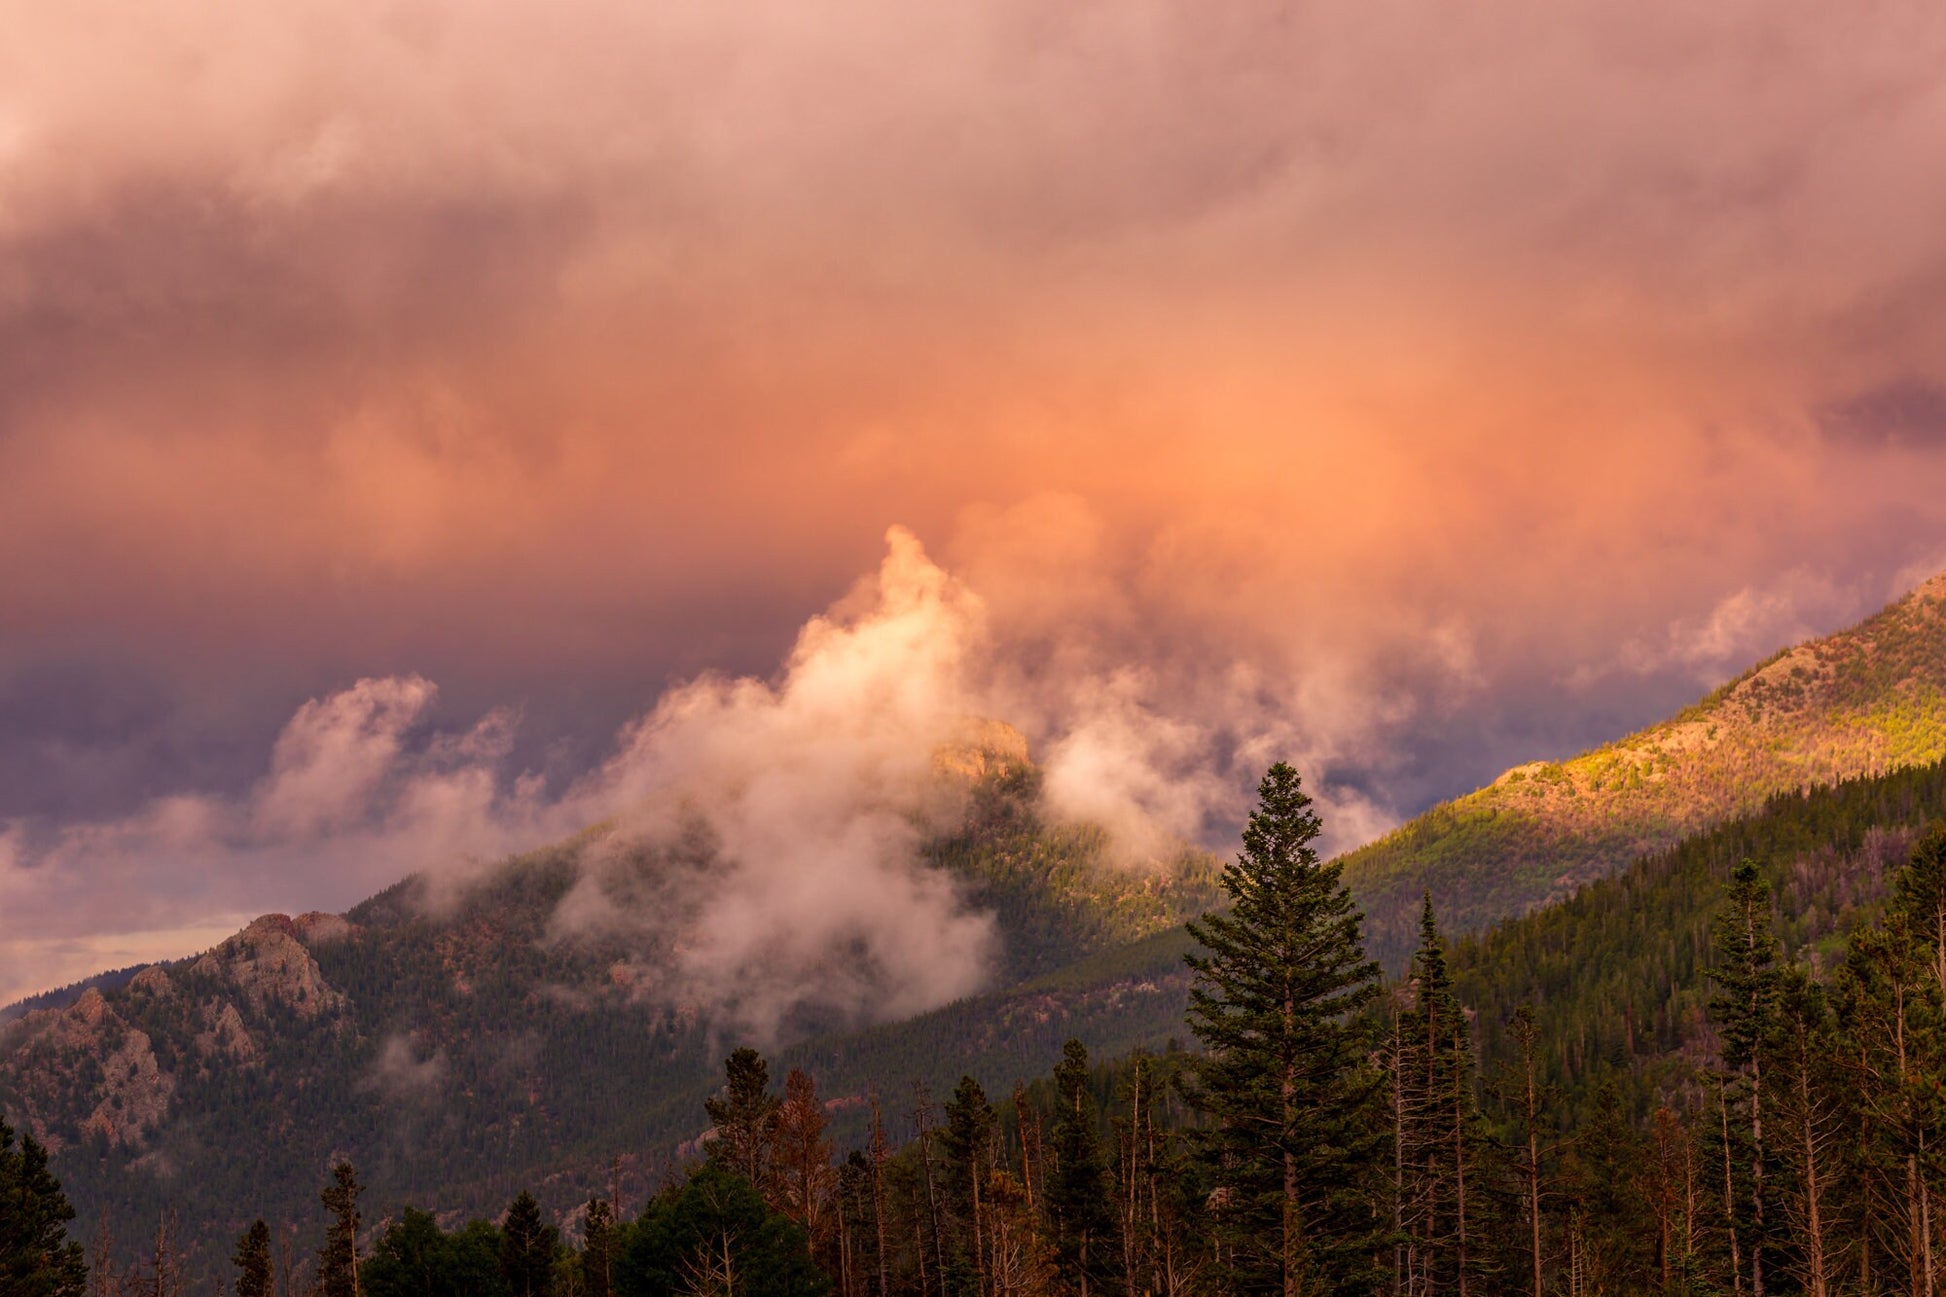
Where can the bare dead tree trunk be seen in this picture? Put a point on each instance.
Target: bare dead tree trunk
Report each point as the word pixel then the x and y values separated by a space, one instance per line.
pixel 922 1115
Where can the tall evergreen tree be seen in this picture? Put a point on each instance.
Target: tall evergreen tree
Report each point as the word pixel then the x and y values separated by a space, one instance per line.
pixel 1086 1248
pixel 1293 1140
pixel 338 1258
pixel 1745 1012
pixel 1436 1124
pixel 967 1141
pixel 1893 1021
pixel 598 1250
pixel 251 1257
pixel 745 1116
pixel 415 1258
pixel 527 1246
pixel 36 1258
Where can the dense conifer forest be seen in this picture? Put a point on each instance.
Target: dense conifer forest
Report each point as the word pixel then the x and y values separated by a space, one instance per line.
pixel 1719 1072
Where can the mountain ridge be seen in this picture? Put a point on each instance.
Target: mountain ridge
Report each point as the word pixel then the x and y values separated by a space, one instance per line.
pixel 1863 700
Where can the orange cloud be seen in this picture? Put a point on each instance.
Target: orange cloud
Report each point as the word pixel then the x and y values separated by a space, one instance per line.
pixel 1399 387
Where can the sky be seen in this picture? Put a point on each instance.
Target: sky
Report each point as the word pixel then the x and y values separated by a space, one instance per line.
pixel 424 425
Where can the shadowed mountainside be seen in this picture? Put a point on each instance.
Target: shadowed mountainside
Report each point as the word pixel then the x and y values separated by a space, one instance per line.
pixel 459 1052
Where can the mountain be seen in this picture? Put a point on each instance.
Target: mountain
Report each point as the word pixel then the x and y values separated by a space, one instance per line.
pixel 460 1053
pixel 1868 699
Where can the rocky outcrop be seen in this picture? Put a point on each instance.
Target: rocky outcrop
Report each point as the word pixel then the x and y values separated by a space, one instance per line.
pixel 83 1070
pixel 108 1065
pixel 267 964
pixel 224 1035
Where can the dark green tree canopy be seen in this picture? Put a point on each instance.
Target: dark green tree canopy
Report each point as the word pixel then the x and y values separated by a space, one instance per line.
pixel 1285 1083
pixel 745 1116
pixel 1086 1241
pixel 415 1258
pixel 36 1258
pixel 714 1233
pixel 527 1247
pixel 251 1257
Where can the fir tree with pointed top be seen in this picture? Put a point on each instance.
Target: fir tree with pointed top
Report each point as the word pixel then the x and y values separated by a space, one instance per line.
pixel 745 1117
pixel 527 1246
pixel 1086 1245
pixel 1744 1010
pixel 967 1141
pixel 338 1258
pixel 1293 1140
pixel 255 1278
pixel 598 1250
pixel 1437 1120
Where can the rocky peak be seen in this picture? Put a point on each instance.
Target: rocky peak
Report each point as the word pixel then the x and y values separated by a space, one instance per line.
pixel 268 964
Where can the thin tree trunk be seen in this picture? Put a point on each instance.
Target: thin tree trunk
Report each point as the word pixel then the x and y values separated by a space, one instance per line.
pixel 1398 1157
pixel 878 1193
pixel 1459 1151
pixel 1813 1217
pixel 1287 1090
pixel 923 1116
pixel 1533 1167
pixel 1729 1193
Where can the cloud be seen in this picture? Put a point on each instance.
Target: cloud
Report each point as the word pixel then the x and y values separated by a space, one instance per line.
pixel 402 1076
pixel 1739 629
pixel 563 357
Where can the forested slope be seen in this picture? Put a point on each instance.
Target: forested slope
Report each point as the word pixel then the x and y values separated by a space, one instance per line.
pixel 460 1052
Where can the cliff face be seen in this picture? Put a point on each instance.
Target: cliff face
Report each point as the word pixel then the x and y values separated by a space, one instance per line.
pixel 109 1067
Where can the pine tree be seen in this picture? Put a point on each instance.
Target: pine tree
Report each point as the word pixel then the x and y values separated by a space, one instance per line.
pixel 1807 1110
pixel 967 1142
pixel 252 1260
pixel 1891 1019
pixel 1745 1012
pixel 338 1258
pixel 36 1258
pixel 1436 1125
pixel 1293 1140
pixel 745 1117
pixel 598 1250
pixel 1082 1226
pixel 527 1245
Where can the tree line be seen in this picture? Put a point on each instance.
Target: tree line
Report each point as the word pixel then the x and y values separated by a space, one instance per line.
pixel 1332 1134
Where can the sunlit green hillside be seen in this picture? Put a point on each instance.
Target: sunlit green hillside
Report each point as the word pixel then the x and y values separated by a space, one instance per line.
pixel 1868 699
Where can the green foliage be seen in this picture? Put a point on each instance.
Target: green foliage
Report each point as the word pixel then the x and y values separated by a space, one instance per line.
pixel 1086 1244
pixel 446 1070
pixel 527 1247
pixel 1867 700
pixel 598 1255
pixel 714 1234
pixel 255 1277
pixel 744 1116
pixel 1616 975
pixel 415 1258
pixel 1293 1138
pixel 36 1258
pixel 338 1258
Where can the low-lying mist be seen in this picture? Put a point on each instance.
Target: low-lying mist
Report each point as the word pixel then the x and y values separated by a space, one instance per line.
pixel 781 818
